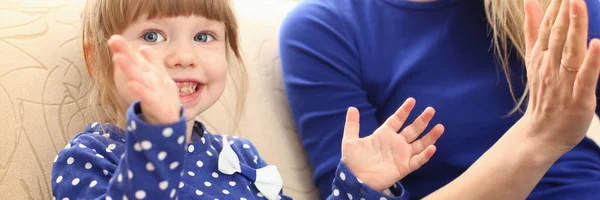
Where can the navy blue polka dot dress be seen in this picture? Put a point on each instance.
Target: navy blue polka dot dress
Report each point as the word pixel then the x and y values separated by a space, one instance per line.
pixel 154 162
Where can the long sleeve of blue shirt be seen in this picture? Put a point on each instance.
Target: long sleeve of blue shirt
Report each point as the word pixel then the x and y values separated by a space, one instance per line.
pixel 155 162
pixel 375 54
pixel 150 164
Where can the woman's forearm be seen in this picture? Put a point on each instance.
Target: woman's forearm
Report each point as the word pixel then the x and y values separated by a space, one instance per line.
pixel 510 169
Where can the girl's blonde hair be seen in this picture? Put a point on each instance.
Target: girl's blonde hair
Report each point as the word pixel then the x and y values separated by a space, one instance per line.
pixel 506 19
pixel 103 18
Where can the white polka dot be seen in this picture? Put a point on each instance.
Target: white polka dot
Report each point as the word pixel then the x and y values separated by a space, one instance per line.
pixel 108 150
pixel 362 199
pixel 132 125
pixel 199 163
pixel 209 153
pixel 96 133
pixel 105 172
pixel 225 192
pixel 75 181
pixel 198 192
pixel 243 198
pixel 146 145
pixel 70 160
pixel 208 184
pixel 162 155
pixel 106 135
pixel 68 146
pixel 382 198
pixel 260 194
pixel 167 132
pixel 203 140
pixel 388 192
pixel 140 194
pixel 66 198
pixel 130 174
pixel 191 173
pixel 256 159
pixel 231 142
pixel 93 183
pixel 174 165
pixel 55 158
pixel 336 192
pixel 359 181
pixel 163 185
pixel 149 166
pixel 246 146
pixel 94 124
pixel 120 177
pixel 342 176
pixel 108 198
pixel 82 146
pixel 215 175
pixel 112 146
pixel 125 197
pixel 88 165
pixel 191 148
pixel 173 193
pixel 232 183
pixel 59 179
pixel 349 196
pixel 137 147
pixel 180 140
pixel 99 156
pixel 181 184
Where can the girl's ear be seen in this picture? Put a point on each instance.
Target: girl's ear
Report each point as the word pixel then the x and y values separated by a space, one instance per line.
pixel 87 53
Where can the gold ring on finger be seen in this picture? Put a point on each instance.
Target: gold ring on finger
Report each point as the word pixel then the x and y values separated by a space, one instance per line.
pixel 562 64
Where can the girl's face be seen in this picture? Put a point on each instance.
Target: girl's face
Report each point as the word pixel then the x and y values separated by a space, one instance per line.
pixel 193 51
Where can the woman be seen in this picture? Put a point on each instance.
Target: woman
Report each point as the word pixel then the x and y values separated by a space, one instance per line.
pixel 374 54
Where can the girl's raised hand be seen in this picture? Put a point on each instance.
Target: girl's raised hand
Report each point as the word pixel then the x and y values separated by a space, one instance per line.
pixel 386 156
pixel 149 80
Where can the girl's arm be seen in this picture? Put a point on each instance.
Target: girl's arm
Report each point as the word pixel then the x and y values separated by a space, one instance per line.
pixel 101 166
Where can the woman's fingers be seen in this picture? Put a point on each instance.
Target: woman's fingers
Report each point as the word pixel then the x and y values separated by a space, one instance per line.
pixel 546 26
pixel 575 47
pixel 533 18
pixel 429 139
pixel 395 122
pixel 413 131
pixel 558 35
pixel 587 78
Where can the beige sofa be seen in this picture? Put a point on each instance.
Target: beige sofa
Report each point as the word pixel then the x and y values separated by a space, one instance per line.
pixel 43 79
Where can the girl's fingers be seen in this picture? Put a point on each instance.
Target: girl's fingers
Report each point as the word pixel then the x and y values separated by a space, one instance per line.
pixel 396 121
pixel 576 45
pixel 587 78
pixel 420 159
pixel 118 44
pixel 352 125
pixel 418 126
pixel 126 65
pixel 429 139
pixel 150 56
pixel 533 18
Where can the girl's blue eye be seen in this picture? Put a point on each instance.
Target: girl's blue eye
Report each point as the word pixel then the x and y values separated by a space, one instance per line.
pixel 153 36
pixel 203 37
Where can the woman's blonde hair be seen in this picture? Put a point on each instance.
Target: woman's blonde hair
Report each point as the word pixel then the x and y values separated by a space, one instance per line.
pixel 506 19
pixel 103 18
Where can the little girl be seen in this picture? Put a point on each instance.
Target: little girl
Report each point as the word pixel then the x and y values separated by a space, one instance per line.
pixel 157 65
